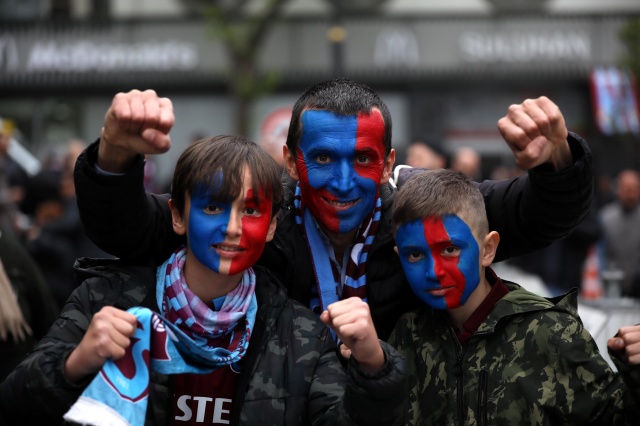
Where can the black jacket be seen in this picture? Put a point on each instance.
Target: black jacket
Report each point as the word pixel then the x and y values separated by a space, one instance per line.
pixel 290 374
pixel 529 212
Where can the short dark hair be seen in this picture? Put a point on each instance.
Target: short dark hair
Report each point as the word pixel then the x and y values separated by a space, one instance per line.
pixel 436 193
pixel 201 163
pixel 340 96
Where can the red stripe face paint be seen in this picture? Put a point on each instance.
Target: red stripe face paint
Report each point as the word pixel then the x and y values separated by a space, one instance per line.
pixel 340 160
pixel 441 259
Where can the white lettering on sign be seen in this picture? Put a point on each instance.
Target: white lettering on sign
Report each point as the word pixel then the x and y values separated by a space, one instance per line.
pixel 8 53
pixel 396 47
pixel 202 401
pixel 524 47
pixel 85 56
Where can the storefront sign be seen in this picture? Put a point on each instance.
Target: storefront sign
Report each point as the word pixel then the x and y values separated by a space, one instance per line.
pixel 477 46
pixel 85 56
pixel 396 47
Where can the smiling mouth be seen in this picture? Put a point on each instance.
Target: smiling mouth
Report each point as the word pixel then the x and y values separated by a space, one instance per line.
pixel 340 204
pixel 227 248
pixel 439 291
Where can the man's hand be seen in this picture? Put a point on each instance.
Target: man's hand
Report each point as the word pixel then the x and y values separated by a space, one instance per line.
pixel 108 336
pixel 627 344
pixel 536 133
pixel 351 321
pixel 136 123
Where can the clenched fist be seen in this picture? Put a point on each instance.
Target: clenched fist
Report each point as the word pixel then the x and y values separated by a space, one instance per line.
pixel 536 133
pixel 136 123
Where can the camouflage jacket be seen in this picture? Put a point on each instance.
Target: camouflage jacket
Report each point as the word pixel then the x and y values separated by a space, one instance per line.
pixel 530 362
pixel 290 375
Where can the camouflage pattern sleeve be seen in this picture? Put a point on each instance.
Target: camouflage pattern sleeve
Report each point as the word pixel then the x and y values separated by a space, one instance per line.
pixel 591 391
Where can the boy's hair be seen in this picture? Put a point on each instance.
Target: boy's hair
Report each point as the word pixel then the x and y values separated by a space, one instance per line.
pixel 217 164
pixel 436 193
pixel 340 96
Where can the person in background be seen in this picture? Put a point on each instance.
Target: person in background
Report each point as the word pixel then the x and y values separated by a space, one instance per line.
pixel 481 350
pixel 334 238
pixel 56 240
pixel 467 161
pixel 15 181
pixel 621 240
pixel 27 308
pixel 423 155
pixel 561 265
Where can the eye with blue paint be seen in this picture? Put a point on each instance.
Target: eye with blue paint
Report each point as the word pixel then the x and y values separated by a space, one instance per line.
pixel 213 209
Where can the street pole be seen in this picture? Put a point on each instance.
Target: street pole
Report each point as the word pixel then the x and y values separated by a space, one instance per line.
pixel 337 34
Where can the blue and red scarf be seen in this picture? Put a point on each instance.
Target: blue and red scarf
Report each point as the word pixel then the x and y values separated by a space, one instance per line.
pixel 187 339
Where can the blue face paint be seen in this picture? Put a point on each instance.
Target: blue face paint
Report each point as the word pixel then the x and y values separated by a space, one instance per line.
pixel 340 161
pixel 441 260
pixel 208 221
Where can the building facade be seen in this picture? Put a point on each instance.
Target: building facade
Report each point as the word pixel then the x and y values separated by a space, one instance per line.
pixel 447 73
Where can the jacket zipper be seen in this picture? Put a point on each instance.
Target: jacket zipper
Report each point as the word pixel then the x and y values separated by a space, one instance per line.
pixel 482 397
pixel 457 370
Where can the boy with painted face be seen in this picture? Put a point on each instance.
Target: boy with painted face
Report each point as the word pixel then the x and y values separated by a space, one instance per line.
pixel 247 354
pixel 486 351
pixel 334 238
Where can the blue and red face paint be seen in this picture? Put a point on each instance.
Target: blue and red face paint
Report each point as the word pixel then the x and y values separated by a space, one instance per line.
pixel 223 250
pixel 340 161
pixel 441 260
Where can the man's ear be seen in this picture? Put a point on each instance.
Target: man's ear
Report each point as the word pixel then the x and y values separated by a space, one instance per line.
pixel 272 227
pixel 176 219
pixel 290 163
pixel 490 248
pixel 395 248
pixel 388 167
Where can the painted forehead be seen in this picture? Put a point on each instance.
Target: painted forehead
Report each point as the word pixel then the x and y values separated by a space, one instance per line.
pixel 327 124
pixel 210 186
pixel 217 188
pixel 457 222
pixel 447 228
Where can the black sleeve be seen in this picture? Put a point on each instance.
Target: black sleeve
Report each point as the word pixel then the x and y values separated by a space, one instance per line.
pixel 117 214
pixel 37 392
pixel 530 212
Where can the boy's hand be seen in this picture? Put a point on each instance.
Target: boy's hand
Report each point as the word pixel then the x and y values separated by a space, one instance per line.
pixel 627 344
pixel 136 123
pixel 536 133
pixel 351 321
pixel 108 336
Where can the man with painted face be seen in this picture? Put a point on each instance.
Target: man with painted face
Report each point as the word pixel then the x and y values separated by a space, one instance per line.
pixel 481 350
pixel 247 355
pixel 333 238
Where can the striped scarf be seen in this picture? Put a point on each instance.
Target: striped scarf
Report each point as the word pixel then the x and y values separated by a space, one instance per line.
pixel 205 326
pixel 330 287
